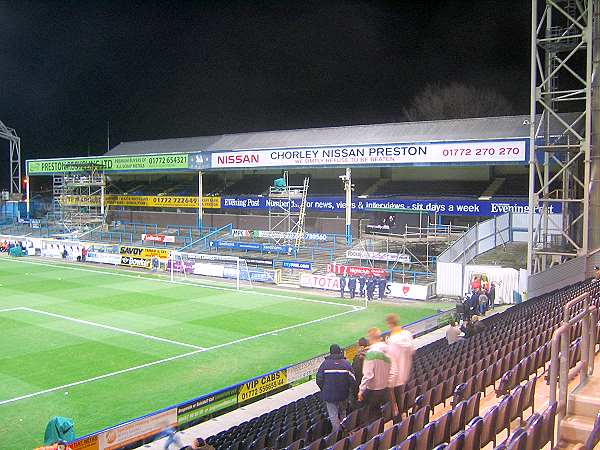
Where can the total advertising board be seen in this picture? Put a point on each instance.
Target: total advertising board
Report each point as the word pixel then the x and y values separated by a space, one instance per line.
pixel 414 153
pixel 396 290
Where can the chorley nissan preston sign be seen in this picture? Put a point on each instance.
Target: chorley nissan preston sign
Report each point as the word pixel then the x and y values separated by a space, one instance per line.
pixel 418 153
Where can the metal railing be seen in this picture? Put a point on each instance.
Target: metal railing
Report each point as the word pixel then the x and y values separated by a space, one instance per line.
pixel 578 310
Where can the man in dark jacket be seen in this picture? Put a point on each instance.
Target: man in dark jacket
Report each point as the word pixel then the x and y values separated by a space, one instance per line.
pixel 362 280
pixel 370 288
pixel 358 361
pixel 342 285
pixel 352 286
pixel 336 380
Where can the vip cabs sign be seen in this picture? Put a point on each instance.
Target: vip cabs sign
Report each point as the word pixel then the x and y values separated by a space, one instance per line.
pixel 262 385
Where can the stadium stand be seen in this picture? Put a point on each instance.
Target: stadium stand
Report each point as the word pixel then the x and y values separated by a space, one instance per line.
pixel 511 351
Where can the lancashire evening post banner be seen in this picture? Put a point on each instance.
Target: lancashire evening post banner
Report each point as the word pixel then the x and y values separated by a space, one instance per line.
pixel 476 152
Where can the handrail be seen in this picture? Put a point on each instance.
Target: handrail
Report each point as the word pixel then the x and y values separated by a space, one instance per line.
pixel 560 372
pixel 229 226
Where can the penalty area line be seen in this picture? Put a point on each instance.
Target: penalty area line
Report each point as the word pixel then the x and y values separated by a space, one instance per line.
pixel 162 280
pixel 173 358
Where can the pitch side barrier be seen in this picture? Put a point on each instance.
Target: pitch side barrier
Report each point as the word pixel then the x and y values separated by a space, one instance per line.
pixel 141 430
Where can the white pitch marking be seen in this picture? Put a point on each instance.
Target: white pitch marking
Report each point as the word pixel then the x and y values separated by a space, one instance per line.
pixel 18 308
pixel 108 327
pixel 107 272
pixel 172 358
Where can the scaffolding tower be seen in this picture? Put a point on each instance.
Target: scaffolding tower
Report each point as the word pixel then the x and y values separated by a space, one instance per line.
pixel 287 211
pixel 561 152
pixel 78 196
pixel 14 155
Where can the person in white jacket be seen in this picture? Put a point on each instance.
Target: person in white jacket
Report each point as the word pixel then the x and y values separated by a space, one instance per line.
pixel 400 349
pixel 373 387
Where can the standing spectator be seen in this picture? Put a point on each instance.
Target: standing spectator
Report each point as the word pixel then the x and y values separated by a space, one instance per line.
pixel 452 333
pixel 474 303
pixel 84 252
pixel 382 285
pixel 352 286
pixel 373 388
pixel 358 361
pixel 362 280
pixel 478 326
pixel 483 301
pixel 596 273
pixel 336 381
pixel 400 352
pixel 370 287
pixel 342 285
pixel 476 283
pixel 467 328
pixel 492 295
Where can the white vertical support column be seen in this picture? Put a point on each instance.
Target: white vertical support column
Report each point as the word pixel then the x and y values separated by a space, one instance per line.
pixel 102 194
pixel 348 187
pixel 200 195
pixel 237 262
pixel 532 128
pixel 27 196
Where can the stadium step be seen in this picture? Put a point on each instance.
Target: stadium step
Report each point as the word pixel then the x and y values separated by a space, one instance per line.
pixel 584 406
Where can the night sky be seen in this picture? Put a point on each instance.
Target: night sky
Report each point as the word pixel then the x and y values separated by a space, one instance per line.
pixel 174 69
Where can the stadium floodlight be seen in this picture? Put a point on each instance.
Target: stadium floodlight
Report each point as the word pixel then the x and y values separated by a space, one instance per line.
pixel 203 268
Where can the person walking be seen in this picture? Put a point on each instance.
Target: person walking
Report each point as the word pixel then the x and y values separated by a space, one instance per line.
pixel 342 285
pixel 382 283
pixel 373 388
pixel 336 381
pixel 492 295
pixel 370 287
pixel 483 301
pixel 400 351
pixel 362 280
pixel 352 286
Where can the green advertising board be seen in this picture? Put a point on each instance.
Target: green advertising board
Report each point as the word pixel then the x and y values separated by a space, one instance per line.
pixel 195 410
pixel 171 161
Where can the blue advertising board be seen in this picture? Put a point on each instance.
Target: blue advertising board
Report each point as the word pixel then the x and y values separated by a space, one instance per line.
pixel 253 247
pixel 445 206
pixel 299 265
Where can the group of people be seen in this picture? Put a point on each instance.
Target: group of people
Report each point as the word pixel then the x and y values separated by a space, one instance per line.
pixel 5 246
pixel 470 327
pixel 382 363
pixel 481 298
pixel 366 284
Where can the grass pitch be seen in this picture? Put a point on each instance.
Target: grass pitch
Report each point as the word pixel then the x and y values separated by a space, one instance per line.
pixel 103 346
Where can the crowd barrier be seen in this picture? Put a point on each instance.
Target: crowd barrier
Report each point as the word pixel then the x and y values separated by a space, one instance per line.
pixel 139 431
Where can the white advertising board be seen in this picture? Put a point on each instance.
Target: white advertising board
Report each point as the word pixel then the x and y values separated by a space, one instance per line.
pixel 405 290
pixel 378 256
pixel 104 258
pixel 331 283
pixel 416 153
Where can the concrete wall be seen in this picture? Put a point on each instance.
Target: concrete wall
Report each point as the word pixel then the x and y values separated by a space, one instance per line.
pixel 330 225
